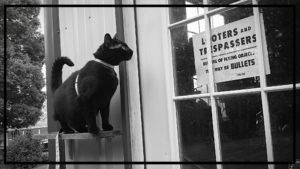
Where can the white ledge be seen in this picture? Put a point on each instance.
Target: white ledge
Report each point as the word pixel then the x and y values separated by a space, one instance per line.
pixel 78 136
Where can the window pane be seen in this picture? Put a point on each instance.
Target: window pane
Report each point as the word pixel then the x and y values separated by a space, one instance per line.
pixel 186 81
pixel 281 114
pixel 220 2
pixel 283 166
pixel 245 166
pixel 196 131
pixel 275 2
pixel 242 128
pixel 198 166
pixel 181 13
pixel 280 36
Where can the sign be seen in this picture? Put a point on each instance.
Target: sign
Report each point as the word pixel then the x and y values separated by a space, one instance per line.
pixel 234 52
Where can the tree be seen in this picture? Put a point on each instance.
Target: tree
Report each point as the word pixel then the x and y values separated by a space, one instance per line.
pixel 24 149
pixel 24 60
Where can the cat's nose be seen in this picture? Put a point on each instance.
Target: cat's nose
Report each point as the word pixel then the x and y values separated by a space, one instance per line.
pixel 130 52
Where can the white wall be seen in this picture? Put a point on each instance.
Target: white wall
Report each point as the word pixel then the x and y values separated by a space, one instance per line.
pixel 82 30
pixel 158 115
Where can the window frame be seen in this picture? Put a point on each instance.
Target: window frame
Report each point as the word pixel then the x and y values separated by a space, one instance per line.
pixel 263 90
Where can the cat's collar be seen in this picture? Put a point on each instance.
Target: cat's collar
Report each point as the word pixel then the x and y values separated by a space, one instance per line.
pixel 76 85
pixel 104 63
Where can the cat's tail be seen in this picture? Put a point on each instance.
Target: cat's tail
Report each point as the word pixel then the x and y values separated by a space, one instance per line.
pixel 58 64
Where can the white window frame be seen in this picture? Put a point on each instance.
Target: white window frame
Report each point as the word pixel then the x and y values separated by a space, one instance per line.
pixel 263 90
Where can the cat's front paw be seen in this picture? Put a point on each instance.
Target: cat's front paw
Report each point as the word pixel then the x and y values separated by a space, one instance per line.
pixel 94 131
pixel 107 127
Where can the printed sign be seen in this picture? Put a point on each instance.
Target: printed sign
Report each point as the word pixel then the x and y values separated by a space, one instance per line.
pixel 234 52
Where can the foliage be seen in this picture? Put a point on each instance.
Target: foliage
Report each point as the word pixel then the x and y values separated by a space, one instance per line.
pixel 24 60
pixel 24 149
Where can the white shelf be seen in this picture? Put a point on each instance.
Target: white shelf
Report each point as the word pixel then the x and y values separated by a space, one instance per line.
pixel 78 136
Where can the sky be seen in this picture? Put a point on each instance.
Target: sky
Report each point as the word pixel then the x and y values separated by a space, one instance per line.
pixel 43 120
pixel 41 18
pixel 41 29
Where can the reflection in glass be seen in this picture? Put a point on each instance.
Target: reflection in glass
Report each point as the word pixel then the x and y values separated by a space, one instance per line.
pixel 198 166
pixel 245 166
pixel 181 13
pixel 196 132
pixel 185 78
pixel 242 128
pixel 280 36
pixel 282 126
pixel 220 2
pixel 275 2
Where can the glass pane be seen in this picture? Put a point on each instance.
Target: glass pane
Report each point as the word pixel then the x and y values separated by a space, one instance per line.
pixel 242 128
pixel 220 2
pixel 278 28
pixel 183 59
pixel 196 131
pixel 181 13
pixel 275 2
pixel 283 166
pixel 198 166
pixel 282 126
pixel 244 166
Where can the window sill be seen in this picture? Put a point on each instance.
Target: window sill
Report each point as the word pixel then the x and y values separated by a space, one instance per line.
pixel 78 136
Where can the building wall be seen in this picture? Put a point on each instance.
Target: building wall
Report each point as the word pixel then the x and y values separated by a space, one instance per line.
pixel 82 31
pixel 152 32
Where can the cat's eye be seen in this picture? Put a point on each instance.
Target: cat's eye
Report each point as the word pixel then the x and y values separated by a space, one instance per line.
pixel 115 37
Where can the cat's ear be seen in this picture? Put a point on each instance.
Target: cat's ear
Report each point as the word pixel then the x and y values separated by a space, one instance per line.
pixel 107 38
pixel 116 36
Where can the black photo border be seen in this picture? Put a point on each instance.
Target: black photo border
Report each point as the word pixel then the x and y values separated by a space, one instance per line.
pixel 155 162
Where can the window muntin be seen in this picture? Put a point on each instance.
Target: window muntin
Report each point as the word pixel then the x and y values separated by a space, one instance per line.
pixel 179 96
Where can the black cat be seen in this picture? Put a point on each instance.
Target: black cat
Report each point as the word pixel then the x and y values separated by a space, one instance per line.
pixel 78 100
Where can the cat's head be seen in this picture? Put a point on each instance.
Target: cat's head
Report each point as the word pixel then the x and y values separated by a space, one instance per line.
pixel 113 51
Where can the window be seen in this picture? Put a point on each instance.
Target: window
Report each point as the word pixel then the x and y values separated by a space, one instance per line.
pixel 233 80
